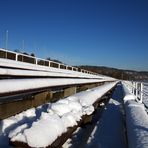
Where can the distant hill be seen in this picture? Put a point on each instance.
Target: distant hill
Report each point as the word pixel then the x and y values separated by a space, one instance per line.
pixel 118 73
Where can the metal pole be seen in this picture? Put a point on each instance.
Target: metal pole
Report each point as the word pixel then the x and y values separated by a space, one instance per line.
pixel 58 65
pixel 16 57
pixel 132 87
pixel 141 92
pixel 36 61
pixel 136 90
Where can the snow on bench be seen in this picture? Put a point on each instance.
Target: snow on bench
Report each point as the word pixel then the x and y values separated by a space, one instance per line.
pixel 14 85
pixel 21 68
pixel 56 120
pixel 136 122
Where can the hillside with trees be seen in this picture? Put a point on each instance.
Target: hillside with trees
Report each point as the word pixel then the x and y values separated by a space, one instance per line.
pixel 118 73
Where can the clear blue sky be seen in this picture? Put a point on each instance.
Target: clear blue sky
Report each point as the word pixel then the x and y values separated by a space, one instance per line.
pixel 95 32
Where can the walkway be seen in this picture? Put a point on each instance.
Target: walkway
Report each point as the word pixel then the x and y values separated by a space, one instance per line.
pixel 109 131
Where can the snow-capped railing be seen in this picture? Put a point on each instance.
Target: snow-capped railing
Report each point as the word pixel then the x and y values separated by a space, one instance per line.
pixel 11 55
pixel 136 116
pixel 136 88
pixel 136 124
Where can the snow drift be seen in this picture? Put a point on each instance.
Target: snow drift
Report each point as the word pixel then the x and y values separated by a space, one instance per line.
pixel 57 118
pixel 136 121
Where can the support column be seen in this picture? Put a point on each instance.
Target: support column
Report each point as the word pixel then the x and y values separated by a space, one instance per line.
pixel 69 91
pixel 12 108
pixel 39 99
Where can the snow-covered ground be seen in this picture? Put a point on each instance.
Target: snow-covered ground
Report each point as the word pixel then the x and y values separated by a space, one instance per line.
pixel 104 132
pixel 49 121
pixel 105 135
pixel 136 121
pixel 137 124
pixel 109 131
pixel 39 127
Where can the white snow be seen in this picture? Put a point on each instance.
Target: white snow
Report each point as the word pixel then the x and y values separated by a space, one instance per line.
pixel 136 122
pixel 63 107
pixel 108 131
pixel 38 70
pixel 137 125
pixel 145 94
pixel 127 94
pixel 17 130
pixel 92 135
pixel 67 144
pixel 17 118
pixel 44 131
pixel 86 98
pixel 25 84
pixel 88 110
pixel 57 118
pixel 19 136
pixel 12 126
pixel 69 119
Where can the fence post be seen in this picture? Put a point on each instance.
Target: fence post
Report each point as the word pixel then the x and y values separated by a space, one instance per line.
pixel 70 91
pixel 59 65
pixel 136 90
pixel 16 57
pixel 132 87
pixel 36 61
pixel 141 92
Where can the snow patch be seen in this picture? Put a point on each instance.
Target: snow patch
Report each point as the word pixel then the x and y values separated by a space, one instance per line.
pixel 127 94
pixel 137 124
pixel 59 117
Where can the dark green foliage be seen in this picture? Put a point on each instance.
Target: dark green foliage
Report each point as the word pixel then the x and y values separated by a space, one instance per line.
pixel 32 54
pixel 56 61
pixel 48 58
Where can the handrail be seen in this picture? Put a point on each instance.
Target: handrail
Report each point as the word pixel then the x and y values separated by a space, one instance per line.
pixel 135 91
pixel 36 59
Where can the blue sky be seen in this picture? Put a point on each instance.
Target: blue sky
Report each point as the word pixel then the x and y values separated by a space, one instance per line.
pixel 110 33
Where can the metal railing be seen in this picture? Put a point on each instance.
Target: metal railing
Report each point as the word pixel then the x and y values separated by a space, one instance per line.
pixel 11 55
pixel 136 88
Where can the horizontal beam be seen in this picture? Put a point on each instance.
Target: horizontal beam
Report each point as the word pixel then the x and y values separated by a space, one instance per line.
pixel 11 72
pixel 15 56
pixel 12 106
pixel 10 67
pixel 14 86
